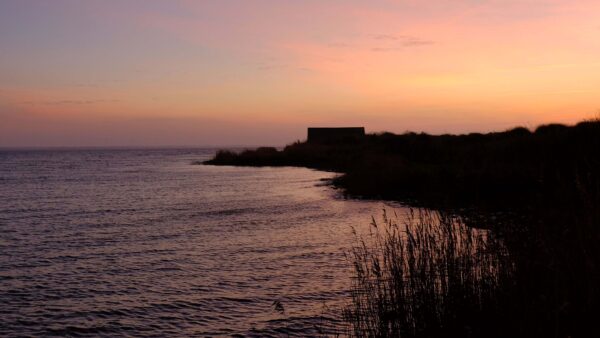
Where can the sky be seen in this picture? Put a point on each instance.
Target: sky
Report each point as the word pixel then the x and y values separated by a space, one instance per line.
pixel 258 72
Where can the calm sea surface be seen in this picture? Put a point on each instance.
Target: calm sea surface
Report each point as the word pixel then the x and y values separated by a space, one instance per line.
pixel 143 243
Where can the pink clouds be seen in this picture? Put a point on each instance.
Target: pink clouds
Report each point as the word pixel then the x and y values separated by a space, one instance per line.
pixel 379 63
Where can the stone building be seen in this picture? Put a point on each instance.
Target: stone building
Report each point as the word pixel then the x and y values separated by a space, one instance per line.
pixel 334 135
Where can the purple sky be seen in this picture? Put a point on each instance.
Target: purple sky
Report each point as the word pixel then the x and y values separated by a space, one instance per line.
pixel 95 73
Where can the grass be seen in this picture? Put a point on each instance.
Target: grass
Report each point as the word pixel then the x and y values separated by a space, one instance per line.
pixel 427 276
pixel 430 274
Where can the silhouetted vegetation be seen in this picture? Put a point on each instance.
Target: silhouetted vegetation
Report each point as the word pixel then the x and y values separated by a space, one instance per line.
pixel 511 168
pixel 432 275
pixel 428 275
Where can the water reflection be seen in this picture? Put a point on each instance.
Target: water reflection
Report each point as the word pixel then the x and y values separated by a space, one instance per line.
pixel 140 242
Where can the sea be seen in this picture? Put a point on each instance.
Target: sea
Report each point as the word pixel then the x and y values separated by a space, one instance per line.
pixel 146 243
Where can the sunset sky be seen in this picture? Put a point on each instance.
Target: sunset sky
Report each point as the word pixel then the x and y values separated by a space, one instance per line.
pixel 258 72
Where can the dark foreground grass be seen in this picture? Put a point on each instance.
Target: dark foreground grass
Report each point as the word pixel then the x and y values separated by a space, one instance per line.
pixel 431 275
pixel 427 276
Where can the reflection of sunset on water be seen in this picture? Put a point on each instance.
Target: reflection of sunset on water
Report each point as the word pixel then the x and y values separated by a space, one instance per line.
pixel 200 250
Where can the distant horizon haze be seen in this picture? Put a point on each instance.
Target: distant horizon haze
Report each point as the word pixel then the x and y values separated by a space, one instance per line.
pixel 154 73
pixel 170 140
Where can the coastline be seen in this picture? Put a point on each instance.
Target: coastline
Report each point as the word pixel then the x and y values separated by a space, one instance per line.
pixel 517 168
pixel 537 192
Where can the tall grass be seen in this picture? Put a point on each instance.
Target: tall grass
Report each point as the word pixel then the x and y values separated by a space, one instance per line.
pixel 430 275
pixel 426 275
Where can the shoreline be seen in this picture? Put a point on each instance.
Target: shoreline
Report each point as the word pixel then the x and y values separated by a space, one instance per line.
pixel 517 168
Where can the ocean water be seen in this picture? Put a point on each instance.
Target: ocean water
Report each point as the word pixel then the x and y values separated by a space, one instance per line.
pixel 143 243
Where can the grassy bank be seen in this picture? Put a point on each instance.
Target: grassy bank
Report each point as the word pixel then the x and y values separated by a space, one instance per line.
pixel 510 168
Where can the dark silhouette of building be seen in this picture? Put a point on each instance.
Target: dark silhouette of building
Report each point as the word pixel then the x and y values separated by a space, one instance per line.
pixel 334 135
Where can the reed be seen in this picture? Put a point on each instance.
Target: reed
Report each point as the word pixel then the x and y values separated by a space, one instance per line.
pixel 432 274
pixel 426 275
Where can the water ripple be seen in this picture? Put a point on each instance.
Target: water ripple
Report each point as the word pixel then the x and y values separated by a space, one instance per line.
pixel 141 243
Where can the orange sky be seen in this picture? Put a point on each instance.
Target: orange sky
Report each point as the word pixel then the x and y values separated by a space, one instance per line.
pixel 226 72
